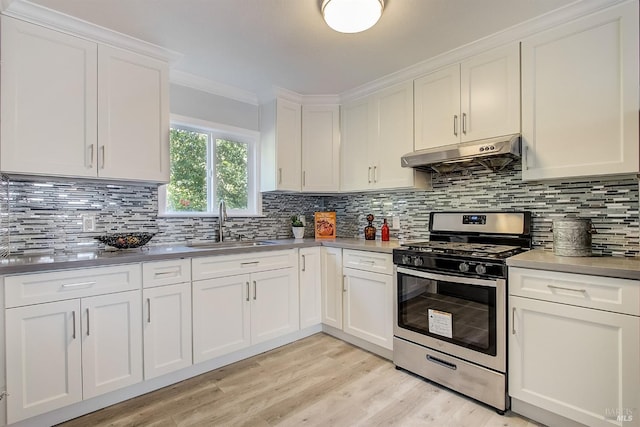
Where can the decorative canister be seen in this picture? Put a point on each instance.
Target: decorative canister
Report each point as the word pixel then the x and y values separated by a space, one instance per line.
pixel 572 236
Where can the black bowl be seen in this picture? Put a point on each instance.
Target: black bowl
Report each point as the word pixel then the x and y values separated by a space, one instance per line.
pixel 126 240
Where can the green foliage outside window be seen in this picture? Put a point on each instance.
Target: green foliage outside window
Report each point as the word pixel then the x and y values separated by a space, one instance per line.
pixel 187 190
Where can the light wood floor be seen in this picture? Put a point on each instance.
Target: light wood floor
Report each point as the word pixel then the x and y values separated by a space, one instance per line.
pixel 317 381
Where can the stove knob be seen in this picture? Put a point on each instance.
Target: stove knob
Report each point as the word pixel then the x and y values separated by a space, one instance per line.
pixel 417 261
pixel 463 266
pixel 406 259
pixel 481 269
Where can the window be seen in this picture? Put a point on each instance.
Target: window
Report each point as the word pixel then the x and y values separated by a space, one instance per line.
pixel 209 164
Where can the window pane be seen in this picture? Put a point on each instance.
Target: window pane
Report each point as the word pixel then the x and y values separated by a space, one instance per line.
pixel 232 173
pixel 187 190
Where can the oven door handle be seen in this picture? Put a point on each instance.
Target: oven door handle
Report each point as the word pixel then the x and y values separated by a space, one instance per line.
pixel 447 278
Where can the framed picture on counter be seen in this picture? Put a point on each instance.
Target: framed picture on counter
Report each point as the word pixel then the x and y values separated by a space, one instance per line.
pixel 325 225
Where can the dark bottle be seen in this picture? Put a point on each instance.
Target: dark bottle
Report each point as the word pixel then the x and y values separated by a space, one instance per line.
pixel 384 231
pixel 370 230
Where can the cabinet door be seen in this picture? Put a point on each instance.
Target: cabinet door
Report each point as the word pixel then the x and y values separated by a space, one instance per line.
pixel 111 342
pixel 310 287
pixel 167 329
pixel 395 137
pixel 355 170
pixel 274 304
pixel 288 143
pixel 48 114
pixel 437 108
pixel 44 369
pixel 368 306
pixel 320 148
pixel 580 97
pixel 331 286
pixel 133 111
pixel 221 317
pixel 595 354
pixel 490 94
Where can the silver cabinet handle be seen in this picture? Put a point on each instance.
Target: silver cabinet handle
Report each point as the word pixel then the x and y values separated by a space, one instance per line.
pixel 249 263
pixel 344 283
pixel 77 285
pixel 455 124
pixel 375 174
pixel 369 175
pixel 90 155
pixel 304 178
pixel 148 310
pixel 102 161
pixel 464 123
pixel 304 262
pixel 441 362
pixel 255 291
pixel 247 291
pixel 88 332
pixel 173 273
pixel 73 318
pixel 513 321
pixel 279 175
pixel 584 291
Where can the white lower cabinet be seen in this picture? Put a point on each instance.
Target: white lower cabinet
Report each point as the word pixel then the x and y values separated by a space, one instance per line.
pixel 331 277
pixel 574 361
pixel 357 294
pixel 368 306
pixel 235 311
pixel 310 287
pixel 62 352
pixel 167 329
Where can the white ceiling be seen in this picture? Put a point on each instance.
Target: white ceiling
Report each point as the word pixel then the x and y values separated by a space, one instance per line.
pixel 255 45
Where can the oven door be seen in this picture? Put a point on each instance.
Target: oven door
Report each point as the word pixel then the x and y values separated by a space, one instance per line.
pixel 461 316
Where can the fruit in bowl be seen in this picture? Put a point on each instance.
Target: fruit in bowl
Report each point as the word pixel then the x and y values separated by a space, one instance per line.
pixel 126 240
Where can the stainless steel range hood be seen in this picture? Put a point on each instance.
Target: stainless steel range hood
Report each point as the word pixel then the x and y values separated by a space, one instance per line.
pixel 492 153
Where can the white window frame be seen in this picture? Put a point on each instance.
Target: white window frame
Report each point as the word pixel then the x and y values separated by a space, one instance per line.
pixel 221 131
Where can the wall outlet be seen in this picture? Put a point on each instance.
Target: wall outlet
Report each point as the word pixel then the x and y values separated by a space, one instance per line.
pixel 88 223
pixel 395 223
pixel 302 219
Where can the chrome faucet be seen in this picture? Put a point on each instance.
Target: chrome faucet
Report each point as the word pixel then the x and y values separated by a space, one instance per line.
pixel 222 217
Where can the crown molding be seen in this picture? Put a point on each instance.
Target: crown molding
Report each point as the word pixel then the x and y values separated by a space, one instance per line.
pixel 513 34
pixel 40 15
pixel 182 78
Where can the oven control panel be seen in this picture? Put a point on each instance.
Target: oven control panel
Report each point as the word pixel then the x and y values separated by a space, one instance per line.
pixel 447 264
pixel 474 219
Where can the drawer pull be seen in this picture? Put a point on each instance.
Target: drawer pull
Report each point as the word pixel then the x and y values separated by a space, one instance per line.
pixel 441 362
pixel 248 292
pixel 148 310
pixel 165 273
pixel 88 333
pixel 78 285
pixel 255 291
pixel 513 321
pixel 304 263
pixel 249 263
pixel 584 291
pixel 73 318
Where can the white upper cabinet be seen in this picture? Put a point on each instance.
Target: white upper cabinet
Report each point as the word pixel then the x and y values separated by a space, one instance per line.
pixel 580 97
pixel 49 101
pixel 281 134
pixel 133 116
pixel 320 148
pixel 73 108
pixel 377 131
pixel 476 99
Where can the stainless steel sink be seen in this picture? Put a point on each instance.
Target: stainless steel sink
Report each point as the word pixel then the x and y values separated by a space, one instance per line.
pixel 230 244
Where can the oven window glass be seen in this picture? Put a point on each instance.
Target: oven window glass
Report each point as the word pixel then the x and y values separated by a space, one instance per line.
pixel 464 315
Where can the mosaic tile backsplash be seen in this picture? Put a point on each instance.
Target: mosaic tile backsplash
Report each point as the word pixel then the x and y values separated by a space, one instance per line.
pixel 46 216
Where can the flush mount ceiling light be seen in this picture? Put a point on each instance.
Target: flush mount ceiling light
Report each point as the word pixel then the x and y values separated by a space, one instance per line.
pixel 352 16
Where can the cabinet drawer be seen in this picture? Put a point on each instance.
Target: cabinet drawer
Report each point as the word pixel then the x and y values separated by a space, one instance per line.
pixel 166 272
pixel 603 293
pixel 375 262
pixel 37 288
pixel 228 265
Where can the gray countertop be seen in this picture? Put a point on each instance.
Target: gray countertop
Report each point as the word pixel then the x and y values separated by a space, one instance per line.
pixel 619 267
pixel 37 263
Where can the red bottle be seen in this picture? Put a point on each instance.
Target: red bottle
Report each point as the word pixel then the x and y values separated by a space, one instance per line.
pixel 385 231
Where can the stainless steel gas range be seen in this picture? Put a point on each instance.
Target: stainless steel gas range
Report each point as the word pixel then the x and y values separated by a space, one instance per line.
pixel 450 301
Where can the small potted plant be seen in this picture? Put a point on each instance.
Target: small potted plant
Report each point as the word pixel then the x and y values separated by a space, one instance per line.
pixel 297 227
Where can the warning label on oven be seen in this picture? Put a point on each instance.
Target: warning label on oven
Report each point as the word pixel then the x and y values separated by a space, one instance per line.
pixel 440 323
